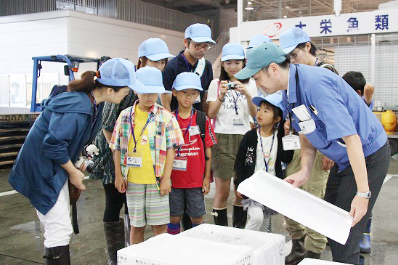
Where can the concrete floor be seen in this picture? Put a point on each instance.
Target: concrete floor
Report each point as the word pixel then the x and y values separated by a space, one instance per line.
pixel 21 237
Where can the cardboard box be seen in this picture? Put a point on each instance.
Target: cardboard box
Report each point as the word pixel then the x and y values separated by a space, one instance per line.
pixel 267 248
pixel 168 249
pixel 299 205
pixel 319 262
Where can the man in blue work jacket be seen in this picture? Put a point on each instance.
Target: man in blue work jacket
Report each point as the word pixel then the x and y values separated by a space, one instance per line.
pixel 332 118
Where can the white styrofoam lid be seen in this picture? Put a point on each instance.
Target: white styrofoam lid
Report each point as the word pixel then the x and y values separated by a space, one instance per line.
pixel 298 205
pixel 319 262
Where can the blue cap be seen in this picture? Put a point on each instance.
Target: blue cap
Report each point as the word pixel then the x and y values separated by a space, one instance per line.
pixel 152 80
pixel 199 33
pixel 291 38
pixel 258 39
pixel 259 57
pixel 274 99
pixel 187 80
pixel 232 51
pixel 118 72
pixel 154 49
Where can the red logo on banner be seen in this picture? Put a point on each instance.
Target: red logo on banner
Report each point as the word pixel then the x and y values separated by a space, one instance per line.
pixel 272 30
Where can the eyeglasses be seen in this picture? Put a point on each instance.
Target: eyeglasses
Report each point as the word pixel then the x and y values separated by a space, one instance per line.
pixel 201 45
pixel 293 55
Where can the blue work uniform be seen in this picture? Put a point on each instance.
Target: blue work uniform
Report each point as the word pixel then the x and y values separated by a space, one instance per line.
pixel 336 110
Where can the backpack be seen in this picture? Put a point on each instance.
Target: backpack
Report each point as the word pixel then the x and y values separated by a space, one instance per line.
pixel 201 122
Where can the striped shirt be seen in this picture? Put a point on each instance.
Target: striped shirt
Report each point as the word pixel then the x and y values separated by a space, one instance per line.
pixel 163 133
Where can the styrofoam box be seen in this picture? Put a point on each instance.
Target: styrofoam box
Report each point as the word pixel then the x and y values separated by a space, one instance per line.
pixel 299 205
pixel 319 262
pixel 267 248
pixel 168 249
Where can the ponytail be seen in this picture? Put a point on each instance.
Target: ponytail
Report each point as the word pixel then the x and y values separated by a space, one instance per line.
pixel 87 83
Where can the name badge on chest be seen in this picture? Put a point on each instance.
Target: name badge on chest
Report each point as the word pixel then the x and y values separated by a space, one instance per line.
pixel 180 163
pixel 291 142
pixel 237 121
pixel 134 159
pixel 194 130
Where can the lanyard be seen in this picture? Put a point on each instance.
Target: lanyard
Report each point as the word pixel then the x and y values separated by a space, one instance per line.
pixel 186 131
pixel 236 101
pixel 262 148
pixel 143 129
pixel 96 112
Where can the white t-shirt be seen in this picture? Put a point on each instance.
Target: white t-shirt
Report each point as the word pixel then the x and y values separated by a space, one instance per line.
pixel 264 153
pixel 229 120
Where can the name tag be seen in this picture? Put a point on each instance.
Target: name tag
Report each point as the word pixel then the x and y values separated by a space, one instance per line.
pixel 180 163
pixel 134 160
pixel 194 130
pixel 291 142
pixel 307 126
pixel 237 121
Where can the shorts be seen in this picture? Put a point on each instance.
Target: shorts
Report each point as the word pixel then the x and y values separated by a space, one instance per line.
pixel 223 155
pixel 191 197
pixel 146 206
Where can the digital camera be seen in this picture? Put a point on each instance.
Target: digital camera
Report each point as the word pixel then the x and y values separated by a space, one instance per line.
pixel 85 162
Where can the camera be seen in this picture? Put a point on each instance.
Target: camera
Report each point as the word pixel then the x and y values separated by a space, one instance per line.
pixel 230 85
pixel 85 162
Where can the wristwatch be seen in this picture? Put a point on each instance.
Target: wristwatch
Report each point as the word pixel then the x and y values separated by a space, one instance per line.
pixel 365 195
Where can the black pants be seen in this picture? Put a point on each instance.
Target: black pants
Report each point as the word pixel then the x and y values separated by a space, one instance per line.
pixel 341 190
pixel 114 201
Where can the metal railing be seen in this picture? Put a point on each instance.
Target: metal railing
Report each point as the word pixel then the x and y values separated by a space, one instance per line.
pixel 128 10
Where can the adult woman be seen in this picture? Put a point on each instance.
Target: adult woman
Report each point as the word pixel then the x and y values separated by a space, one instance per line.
pixel 231 106
pixel 45 162
pixel 154 53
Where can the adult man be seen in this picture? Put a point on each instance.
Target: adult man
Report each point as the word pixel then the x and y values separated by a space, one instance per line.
pixel 197 42
pixel 333 119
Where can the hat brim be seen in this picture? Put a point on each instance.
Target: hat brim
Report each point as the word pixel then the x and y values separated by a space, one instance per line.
pixel 257 100
pixel 202 39
pixel 159 56
pixel 149 89
pixel 136 85
pixel 289 49
pixel 232 57
pixel 247 73
pixel 183 87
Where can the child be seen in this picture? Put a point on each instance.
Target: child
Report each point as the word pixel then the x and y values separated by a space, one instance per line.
pixel 261 149
pixel 190 177
pixel 144 140
pixel 231 106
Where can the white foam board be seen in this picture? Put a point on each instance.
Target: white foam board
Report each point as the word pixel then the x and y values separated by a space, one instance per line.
pixel 267 248
pixel 298 205
pixel 168 249
pixel 319 262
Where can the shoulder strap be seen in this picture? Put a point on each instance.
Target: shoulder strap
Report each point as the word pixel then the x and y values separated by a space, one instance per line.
pixel 200 67
pixel 201 122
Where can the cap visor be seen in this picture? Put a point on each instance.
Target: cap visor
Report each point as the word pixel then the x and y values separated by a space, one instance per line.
pixel 203 39
pixel 159 56
pixel 178 88
pixel 247 73
pixel 232 57
pixel 257 100
pixel 289 49
pixel 136 85
pixel 150 90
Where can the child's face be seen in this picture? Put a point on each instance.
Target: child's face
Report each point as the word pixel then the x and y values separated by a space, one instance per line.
pixel 147 100
pixel 186 97
pixel 265 116
pixel 157 64
pixel 232 67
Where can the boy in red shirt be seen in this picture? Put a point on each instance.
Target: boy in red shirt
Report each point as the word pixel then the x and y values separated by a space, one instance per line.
pixel 190 178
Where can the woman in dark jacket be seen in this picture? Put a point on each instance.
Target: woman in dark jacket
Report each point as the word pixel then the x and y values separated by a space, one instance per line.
pixel 261 149
pixel 45 162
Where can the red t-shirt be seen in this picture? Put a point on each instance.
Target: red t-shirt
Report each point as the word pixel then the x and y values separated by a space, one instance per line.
pixel 193 151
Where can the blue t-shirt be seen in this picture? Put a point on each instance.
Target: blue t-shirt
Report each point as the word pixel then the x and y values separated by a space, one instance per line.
pixel 336 110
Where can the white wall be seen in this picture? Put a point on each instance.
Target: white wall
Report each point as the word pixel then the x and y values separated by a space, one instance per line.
pixel 66 32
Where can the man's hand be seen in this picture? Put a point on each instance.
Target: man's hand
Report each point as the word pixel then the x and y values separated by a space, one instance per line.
pixel 76 178
pixel 327 163
pixel 359 207
pixel 297 179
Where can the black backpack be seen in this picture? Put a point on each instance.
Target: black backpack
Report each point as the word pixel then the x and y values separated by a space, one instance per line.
pixel 201 122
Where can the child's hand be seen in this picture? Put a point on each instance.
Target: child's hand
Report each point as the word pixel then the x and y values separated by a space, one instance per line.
pixel 206 186
pixel 238 194
pixel 241 88
pixel 223 89
pixel 120 184
pixel 165 186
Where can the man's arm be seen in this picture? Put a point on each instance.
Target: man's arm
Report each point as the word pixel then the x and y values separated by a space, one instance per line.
pixel 368 93
pixel 307 161
pixel 359 205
